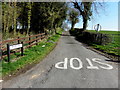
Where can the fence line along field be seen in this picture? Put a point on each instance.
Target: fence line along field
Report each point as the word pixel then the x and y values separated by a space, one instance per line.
pixel 113 47
pixel 27 42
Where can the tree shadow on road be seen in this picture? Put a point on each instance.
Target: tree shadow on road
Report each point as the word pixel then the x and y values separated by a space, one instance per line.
pixel 63 34
pixel 117 61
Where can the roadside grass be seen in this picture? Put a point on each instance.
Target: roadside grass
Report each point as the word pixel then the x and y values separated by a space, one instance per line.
pixel 113 47
pixel 31 55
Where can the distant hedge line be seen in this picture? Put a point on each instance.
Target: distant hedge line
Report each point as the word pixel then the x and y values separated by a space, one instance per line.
pixel 90 37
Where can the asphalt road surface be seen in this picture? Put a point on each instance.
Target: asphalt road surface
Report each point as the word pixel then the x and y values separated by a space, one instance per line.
pixel 69 65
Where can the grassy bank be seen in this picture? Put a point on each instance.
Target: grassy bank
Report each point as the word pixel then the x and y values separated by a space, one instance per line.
pixel 31 55
pixel 113 47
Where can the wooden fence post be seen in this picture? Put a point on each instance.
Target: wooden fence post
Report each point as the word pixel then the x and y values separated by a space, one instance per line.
pixel 36 40
pixel 0 55
pixel 41 36
pixel 18 40
pixel 29 40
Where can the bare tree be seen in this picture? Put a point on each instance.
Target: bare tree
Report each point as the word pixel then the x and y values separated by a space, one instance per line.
pixel 85 9
pixel 73 17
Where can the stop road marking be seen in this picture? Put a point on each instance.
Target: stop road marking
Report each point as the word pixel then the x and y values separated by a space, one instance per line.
pixel 91 66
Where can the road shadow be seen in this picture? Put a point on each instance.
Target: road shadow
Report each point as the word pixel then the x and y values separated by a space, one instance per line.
pixel 63 34
pixel 117 61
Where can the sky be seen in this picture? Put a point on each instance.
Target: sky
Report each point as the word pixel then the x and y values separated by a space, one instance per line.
pixel 107 18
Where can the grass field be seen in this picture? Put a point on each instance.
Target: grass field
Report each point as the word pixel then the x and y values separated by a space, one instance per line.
pixel 106 32
pixel 114 46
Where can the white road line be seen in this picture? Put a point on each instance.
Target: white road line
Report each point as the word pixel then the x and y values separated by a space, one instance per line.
pixel 97 60
pixel 79 61
pixel 91 65
pixel 64 64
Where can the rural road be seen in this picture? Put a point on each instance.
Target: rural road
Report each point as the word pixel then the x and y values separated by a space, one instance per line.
pixel 69 65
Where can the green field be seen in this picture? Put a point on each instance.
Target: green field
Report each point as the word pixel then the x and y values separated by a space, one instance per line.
pixel 114 46
pixel 106 32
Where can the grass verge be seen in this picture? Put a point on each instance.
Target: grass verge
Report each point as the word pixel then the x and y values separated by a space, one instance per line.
pixel 112 48
pixel 31 55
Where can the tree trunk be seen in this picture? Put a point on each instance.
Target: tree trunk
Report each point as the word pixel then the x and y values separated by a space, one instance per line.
pixel 72 26
pixel 84 23
pixel 14 22
pixel 4 18
pixel 54 27
pixel 8 21
pixel 29 17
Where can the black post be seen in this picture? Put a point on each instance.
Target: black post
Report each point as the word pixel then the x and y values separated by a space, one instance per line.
pixel 8 52
pixel 22 49
pixel 29 40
